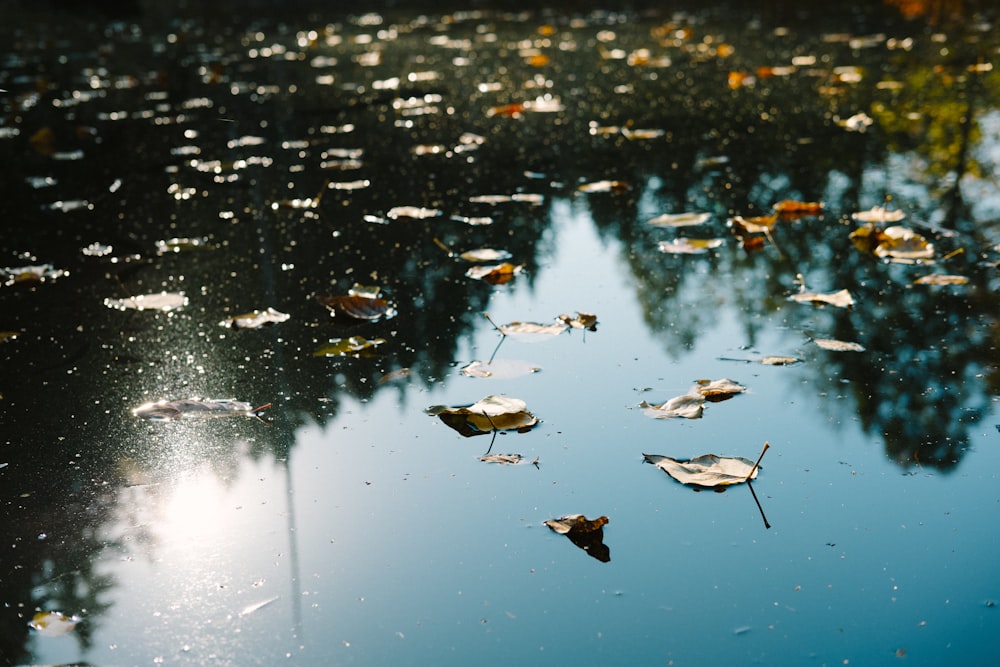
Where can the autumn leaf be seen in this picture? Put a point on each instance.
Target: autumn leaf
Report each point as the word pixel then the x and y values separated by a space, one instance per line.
pixel 897 244
pixel 687 406
pixel 53 623
pixel 706 471
pixel 585 533
pixel 789 208
pixel 691 404
pixel 494 274
pixel 838 345
pixel 485 255
pixel 878 215
pixel 840 299
pixel 581 320
pixel 533 329
pixel 196 408
pixel 680 219
pixel 683 246
pixel 358 306
pixel 492 413
pixel 164 301
pixel 614 187
pixel 412 213
pixel 941 279
pixel 504 459
pixel 780 361
pixel 344 347
pixel 255 319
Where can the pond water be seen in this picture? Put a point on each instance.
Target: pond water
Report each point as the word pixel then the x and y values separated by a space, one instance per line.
pixel 224 160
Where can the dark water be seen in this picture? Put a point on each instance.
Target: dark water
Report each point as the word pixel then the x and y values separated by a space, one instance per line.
pixel 347 525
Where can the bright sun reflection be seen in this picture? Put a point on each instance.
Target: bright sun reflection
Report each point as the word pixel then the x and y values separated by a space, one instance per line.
pixel 195 508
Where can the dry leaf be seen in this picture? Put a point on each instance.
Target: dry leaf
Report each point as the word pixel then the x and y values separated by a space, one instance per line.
pixel 492 413
pixel 680 219
pixel 718 390
pixel 165 301
pixel 941 279
pixel 505 459
pixel 841 298
pixel 838 345
pixel 197 408
pixel 255 319
pixel 53 623
pixel 683 246
pixel 708 470
pixel 688 406
pixel 614 187
pixel 358 306
pixel 779 361
pixel 494 274
pixel 584 533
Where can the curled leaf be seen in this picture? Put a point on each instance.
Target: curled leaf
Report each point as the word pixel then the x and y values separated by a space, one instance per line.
pixel 688 406
pixel 485 255
pixel 492 413
pixel 585 533
pixel 358 306
pixel 790 208
pixel 494 274
pixel 718 390
pixel 255 319
pixel 53 623
pixel 840 299
pixel 164 301
pixel 196 408
pixel 708 470
pixel 580 321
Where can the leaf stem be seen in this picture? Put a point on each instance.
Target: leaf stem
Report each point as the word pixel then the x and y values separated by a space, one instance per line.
pixel 767 445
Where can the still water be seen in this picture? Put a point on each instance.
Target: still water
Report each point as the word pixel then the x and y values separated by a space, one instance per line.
pixel 217 162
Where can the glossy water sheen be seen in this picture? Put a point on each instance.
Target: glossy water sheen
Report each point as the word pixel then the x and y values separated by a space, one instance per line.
pixel 346 525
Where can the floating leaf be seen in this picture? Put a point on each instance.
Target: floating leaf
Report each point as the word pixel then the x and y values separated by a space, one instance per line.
pixel 708 470
pixel 255 319
pixel 841 298
pixel 878 214
pixel 614 187
pixel 718 390
pixel 780 361
pixel 53 623
pixel 358 306
pixel 251 608
pixel 30 275
pixel 505 459
pixel 680 219
pixel 838 345
pixel 494 274
pixel 580 321
pixel 941 279
pixel 691 404
pixel 789 208
pixel 499 369
pixel 688 406
pixel 343 347
pixel 165 301
pixel 533 329
pixel 412 213
pixel 197 408
pixel 493 413
pixel 683 246
pixel 176 245
pixel 485 255
pixel 584 533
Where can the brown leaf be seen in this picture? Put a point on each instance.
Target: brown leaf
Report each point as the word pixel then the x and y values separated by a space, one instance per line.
pixel 494 274
pixel 493 413
pixel 358 306
pixel 584 533
pixel 708 470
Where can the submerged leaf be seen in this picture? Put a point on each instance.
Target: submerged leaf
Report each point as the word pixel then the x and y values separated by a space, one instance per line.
pixel 358 306
pixel 255 319
pixel 680 219
pixel 53 623
pixel 708 470
pixel 493 413
pixel 683 246
pixel 196 407
pixel 343 347
pixel 165 301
